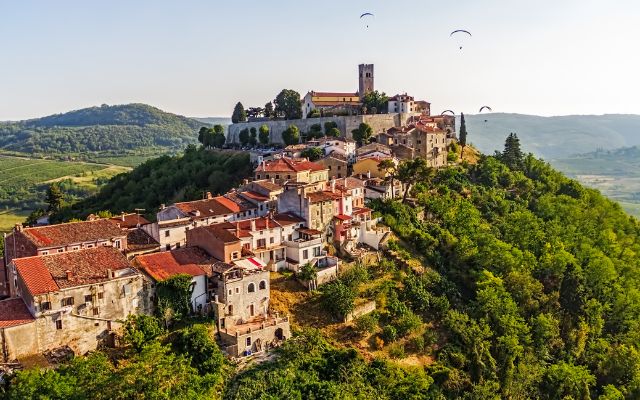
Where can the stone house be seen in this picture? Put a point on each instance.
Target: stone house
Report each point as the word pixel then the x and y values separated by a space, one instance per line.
pixel 369 167
pixel 241 307
pixel 217 241
pixel 286 169
pixel 336 165
pixel 192 261
pixel 373 150
pixel 55 239
pixel 343 147
pixel 331 103
pixel 139 241
pixel 77 298
pixel 421 140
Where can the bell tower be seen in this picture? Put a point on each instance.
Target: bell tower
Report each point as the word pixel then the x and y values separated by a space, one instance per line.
pixel 365 79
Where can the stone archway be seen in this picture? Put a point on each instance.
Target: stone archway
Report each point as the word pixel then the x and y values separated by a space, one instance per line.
pixel 279 334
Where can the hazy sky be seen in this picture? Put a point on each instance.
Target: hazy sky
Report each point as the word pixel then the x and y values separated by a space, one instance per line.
pixel 198 58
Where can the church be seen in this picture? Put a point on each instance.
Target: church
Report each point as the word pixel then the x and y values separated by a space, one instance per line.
pixel 338 103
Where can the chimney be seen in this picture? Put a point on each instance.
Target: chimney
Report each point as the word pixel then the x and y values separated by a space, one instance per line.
pixel 69 274
pixel 333 185
pixel 238 229
pixel 123 215
pixel 267 222
pixel 109 273
pixel 209 196
pixel 273 180
pixel 253 225
pixel 18 227
pixel 162 206
pixel 368 174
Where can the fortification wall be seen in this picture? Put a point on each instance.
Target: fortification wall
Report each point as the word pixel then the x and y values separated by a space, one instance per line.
pixel 379 123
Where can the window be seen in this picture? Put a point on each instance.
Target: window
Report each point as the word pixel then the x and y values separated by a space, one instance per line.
pixel 248 341
pixel 75 248
pixel 60 250
pixel 100 295
pixel 235 255
pixel 305 254
pixel 339 167
pixel 44 253
pixel 167 247
pixel 316 251
pixel 237 290
pixel 271 240
pixel 88 298
pixel 178 245
pixel 96 311
pixel 59 324
pixel 262 243
pixel 230 309
pixel 89 246
pixel 251 288
pixel 230 292
pixel 117 244
pixel 45 305
pixel 166 233
pixel 277 176
pixel 262 285
pixel 290 237
pixel 67 301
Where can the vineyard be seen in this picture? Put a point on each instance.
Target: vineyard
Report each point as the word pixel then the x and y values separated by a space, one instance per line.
pixel 23 183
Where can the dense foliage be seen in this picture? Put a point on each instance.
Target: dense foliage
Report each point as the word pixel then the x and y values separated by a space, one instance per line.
pixel 114 130
pixel 533 282
pixel 167 179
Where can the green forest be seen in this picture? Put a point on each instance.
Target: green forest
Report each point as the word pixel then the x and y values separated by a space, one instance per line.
pixel 514 280
pixel 165 180
pixel 104 131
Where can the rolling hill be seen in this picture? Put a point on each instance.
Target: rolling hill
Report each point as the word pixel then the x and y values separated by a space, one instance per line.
pixel 105 131
pixel 554 137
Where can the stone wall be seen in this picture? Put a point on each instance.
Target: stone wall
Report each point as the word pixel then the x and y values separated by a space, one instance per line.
pixel 18 341
pixel 379 123
pixel 361 310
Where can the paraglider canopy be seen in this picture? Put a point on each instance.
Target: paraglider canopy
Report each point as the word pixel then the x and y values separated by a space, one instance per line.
pixel 366 16
pixel 447 111
pixel 485 108
pixel 458 33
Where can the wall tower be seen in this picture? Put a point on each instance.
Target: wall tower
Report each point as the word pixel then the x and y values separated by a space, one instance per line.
pixel 365 79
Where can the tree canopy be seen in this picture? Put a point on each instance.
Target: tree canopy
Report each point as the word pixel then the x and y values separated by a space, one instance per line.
pixel 288 104
pixel 239 114
pixel 362 134
pixel 291 135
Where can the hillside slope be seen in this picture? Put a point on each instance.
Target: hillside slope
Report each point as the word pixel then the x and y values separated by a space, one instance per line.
pixel 104 130
pixel 554 137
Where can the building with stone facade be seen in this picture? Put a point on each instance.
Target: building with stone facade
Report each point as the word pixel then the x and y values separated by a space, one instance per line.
pixel 336 165
pixel 77 299
pixel 285 169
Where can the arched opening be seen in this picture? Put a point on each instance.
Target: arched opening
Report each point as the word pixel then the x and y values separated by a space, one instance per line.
pixel 262 285
pixel 252 310
pixel 252 288
pixel 279 334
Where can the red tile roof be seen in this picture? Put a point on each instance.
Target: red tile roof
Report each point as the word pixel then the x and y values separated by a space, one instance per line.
pixel 254 196
pixel 343 217
pixel 14 312
pixel 287 219
pixel 207 207
pixel 129 221
pixel 221 232
pixel 73 232
pixel 316 197
pixel 286 164
pixel 43 274
pixel 188 260
pixel 333 94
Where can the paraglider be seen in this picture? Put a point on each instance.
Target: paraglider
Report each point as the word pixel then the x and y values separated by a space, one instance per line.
pixel 366 16
pixel 460 32
pixel 485 108
pixel 448 111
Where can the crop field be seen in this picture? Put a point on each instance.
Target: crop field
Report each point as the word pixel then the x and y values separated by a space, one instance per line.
pixel 23 183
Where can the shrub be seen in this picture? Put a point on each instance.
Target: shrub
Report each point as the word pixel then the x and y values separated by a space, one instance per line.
pixel 397 351
pixel 417 344
pixel 367 323
pixel 389 334
pixel 338 298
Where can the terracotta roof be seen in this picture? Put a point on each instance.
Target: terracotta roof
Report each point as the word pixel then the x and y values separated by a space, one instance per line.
pixel 129 221
pixel 43 274
pixel 235 202
pixel 316 197
pixel 287 219
pixel 311 232
pixel 14 312
pixel 187 260
pixel 333 94
pixel 207 207
pixel 343 217
pixel 336 103
pixel 268 185
pixel 220 232
pixel 137 239
pixel 349 183
pixel 286 164
pixel 361 210
pixel 375 158
pixel 73 232
pixel 219 267
pixel 254 196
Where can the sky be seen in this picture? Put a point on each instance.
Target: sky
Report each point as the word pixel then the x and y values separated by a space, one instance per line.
pixel 198 58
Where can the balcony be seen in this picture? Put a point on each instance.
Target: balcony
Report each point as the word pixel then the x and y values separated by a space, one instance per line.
pixel 304 243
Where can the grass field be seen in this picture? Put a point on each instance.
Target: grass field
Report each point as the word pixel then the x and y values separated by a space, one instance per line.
pixel 23 183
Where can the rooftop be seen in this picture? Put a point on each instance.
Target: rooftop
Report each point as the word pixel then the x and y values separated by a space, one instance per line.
pixel 333 94
pixel 287 219
pixel 73 232
pixel 206 207
pixel 129 221
pixel 220 232
pixel 286 164
pixel 137 240
pixel 187 260
pixel 14 312
pixel 50 273
pixel 320 196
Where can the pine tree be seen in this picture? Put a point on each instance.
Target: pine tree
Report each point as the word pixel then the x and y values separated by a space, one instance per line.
pixel 54 197
pixel 512 155
pixel 239 114
pixel 463 134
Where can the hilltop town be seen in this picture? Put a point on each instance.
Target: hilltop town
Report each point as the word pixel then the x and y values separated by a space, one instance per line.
pixel 72 285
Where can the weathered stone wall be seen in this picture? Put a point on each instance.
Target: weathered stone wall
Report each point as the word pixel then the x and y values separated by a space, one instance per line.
pixel 19 341
pixel 360 310
pixel 379 123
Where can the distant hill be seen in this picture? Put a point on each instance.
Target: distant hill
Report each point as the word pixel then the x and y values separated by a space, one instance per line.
pixel 101 131
pixel 554 137
pixel 224 121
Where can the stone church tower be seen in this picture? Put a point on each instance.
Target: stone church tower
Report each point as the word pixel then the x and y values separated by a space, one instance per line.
pixel 365 79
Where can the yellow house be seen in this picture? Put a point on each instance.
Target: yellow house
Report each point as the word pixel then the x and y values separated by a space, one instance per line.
pixel 369 167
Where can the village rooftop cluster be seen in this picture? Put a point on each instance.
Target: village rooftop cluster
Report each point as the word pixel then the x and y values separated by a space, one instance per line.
pixel 74 284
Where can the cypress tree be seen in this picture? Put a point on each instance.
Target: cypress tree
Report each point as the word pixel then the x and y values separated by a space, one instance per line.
pixel 463 134
pixel 239 114
pixel 512 155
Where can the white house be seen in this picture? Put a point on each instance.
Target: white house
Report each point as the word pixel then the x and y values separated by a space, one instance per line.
pixel 401 103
